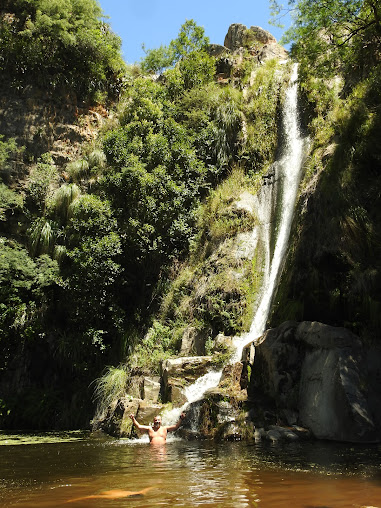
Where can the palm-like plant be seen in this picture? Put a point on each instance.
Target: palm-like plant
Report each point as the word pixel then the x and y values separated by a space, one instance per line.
pixel 42 236
pixel 63 198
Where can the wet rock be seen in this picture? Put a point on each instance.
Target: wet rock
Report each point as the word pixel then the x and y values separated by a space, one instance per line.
pixel 234 379
pixel 285 433
pixel 147 411
pixel 178 373
pixel 273 436
pixel 116 421
pixel 259 434
pixel 231 432
pixel 218 416
pixel 174 392
pixel 188 368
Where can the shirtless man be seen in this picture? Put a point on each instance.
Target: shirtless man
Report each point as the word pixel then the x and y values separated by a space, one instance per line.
pixel 157 434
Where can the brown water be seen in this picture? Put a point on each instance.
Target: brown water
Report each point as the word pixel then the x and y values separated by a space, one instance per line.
pixel 53 470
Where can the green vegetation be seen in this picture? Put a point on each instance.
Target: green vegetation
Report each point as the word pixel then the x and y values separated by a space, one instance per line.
pixel 216 290
pixel 333 268
pixel 120 249
pixel 60 44
pixel 110 386
pixel 191 42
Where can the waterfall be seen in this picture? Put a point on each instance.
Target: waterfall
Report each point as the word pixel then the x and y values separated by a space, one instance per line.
pixel 287 172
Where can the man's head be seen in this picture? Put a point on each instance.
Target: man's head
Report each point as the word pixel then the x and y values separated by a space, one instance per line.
pixel 157 422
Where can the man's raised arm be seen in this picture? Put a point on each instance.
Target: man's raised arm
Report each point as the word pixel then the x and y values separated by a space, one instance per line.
pixel 137 424
pixel 175 427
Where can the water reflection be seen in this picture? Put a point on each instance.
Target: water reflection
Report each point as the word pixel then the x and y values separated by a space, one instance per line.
pixel 95 472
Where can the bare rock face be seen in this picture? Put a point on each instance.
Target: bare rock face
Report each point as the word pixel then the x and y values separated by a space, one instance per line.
pixel 317 377
pixel 235 37
pixel 260 42
pixel 178 373
pixel 192 341
pixel 147 411
pixel 44 123
pixel 270 51
pixel 151 389
pixel 262 35
pixel 217 50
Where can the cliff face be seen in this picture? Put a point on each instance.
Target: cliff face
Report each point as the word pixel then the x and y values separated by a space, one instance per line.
pixel 42 123
pixel 333 271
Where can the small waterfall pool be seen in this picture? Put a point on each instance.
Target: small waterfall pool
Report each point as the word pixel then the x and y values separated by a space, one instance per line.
pixel 79 470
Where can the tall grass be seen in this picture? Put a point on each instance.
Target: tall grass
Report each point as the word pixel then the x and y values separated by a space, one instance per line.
pixel 42 237
pixel 63 198
pixel 109 387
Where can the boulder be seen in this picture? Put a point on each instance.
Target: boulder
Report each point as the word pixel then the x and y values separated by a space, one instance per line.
pixel 177 373
pixel 234 39
pixel 316 374
pixel 261 35
pixel 151 389
pixel 174 392
pixel 116 421
pixel 193 341
pixel 147 411
pixel 234 378
pixel 270 51
pixel 217 50
pixel 223 343
pixel 188 368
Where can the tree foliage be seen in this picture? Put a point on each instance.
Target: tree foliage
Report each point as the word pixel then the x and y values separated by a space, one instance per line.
pixel 127 210
pixel 334 36
pixel 191 39
pixel 60 43
pixel 24 288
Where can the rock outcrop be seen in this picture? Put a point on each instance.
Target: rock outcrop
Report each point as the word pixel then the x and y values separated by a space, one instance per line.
pixel 234 39
pixel 178 373
pixel 317 376
pixel 43 123
pixel 258 41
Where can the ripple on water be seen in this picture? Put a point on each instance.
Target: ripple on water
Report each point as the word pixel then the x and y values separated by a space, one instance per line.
pixel 188 474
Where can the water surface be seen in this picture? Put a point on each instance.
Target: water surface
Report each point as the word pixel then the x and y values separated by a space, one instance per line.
pixel 51 470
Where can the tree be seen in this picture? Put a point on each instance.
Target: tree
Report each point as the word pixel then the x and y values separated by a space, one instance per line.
pixel 190 39
pixel 24 288
pixel 57 43
pixel 330 34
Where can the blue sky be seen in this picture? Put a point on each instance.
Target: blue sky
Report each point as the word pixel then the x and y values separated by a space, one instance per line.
pixel 156 22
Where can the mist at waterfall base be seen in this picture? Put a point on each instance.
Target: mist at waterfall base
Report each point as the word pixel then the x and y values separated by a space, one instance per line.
pixel 279 196
pixel 78 469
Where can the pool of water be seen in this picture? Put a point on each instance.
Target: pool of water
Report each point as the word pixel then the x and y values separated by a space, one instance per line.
pixel 79 470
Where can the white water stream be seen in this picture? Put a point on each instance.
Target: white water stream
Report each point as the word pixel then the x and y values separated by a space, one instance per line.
pixel 287 177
